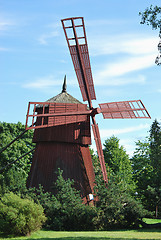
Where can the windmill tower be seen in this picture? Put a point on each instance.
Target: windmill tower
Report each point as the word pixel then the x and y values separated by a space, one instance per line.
pixel 62 124
pixel 62 146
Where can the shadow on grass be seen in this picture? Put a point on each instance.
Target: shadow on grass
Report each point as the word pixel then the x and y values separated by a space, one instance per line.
pixel 117 237
pixel 83 238
pixel 73 238
pixel 89 238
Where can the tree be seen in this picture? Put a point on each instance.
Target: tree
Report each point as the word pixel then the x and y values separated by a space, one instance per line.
pixel 151 16
pixel 115 207
pixel 64 210
pixel 73 214
pixel 155 159
pixel 119 163
pixel 147 169
pixel 14 177
pixel 142 172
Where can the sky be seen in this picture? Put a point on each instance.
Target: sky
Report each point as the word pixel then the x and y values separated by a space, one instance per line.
pixel 35 58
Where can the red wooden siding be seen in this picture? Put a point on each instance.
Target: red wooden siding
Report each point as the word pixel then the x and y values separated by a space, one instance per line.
pixel 73 133
pixel 74 160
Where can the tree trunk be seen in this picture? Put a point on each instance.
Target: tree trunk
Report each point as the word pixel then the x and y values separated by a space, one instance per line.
pixel 156 211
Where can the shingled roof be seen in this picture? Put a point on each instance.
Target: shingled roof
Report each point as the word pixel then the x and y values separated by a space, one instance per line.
pixel 64 97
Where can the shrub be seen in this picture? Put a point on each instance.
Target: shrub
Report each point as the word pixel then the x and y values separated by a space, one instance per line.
pixel 64 210
pixel 20 216
pixel 116 208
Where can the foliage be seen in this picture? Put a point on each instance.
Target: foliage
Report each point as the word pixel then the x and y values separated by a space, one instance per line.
pixel 14 177
pixel 71 213
pixel 64 210
pixel 142 171
pixel 19 216
pixel 116 208
pixel 119 164
pixel 151 16
pixel 155 159
pixel 116 205
pixel 147 169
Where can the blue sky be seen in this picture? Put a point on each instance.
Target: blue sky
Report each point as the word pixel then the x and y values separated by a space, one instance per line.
pixel 35 58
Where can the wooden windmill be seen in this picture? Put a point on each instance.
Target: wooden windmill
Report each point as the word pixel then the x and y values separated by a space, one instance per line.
pixel 62 124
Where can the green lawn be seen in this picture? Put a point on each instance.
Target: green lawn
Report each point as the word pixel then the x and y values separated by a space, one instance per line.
pixel 151 221
pixel 108 235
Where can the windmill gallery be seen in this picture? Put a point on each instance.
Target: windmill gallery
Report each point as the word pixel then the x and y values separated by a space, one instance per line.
pixel 62 123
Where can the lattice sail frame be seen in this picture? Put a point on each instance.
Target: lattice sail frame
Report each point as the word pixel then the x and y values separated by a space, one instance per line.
pixel 47 114
pixel 77 43
pixel 124 109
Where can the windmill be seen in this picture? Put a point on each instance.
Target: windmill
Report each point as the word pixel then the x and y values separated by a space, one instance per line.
pixel 60 122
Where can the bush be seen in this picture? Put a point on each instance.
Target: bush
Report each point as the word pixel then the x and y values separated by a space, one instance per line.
pixel 116 208
pixel 20 216
pixel 66 211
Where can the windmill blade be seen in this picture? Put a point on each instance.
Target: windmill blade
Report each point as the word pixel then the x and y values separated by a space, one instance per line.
pixel 124 109
pixel 99 149
pixel 47 114
pixel 74 30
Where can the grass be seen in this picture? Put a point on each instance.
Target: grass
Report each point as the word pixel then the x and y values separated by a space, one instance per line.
pixel 108 235
pixel 151 220
pixel 101 235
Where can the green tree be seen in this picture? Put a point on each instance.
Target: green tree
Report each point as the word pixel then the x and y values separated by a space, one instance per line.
pixel 142 172
pixel 73 214
pixel 64 210
pixel 151 16
pixel 14 177
pixel 155 159
pixel 118 163
pixel 115 207
pixel 147 169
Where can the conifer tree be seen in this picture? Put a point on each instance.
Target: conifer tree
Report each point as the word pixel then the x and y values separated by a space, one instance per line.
pixel 155 159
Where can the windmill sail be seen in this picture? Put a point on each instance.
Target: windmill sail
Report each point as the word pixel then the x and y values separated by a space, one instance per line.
pixel 124 109
pixel 99 150
pixel 74 30
pixel 47 114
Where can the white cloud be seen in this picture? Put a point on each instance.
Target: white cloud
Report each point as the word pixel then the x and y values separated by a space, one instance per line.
pixel 5 24
pixel 52 31
pixel 47 82
pixel 109 132
pixel 41 83
pixel 3 49
pixel 119 81
pixel 127 143
pixel 130 53
pixel 104 22
pixel 127 65
pixel 44 38
pixel 131 44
